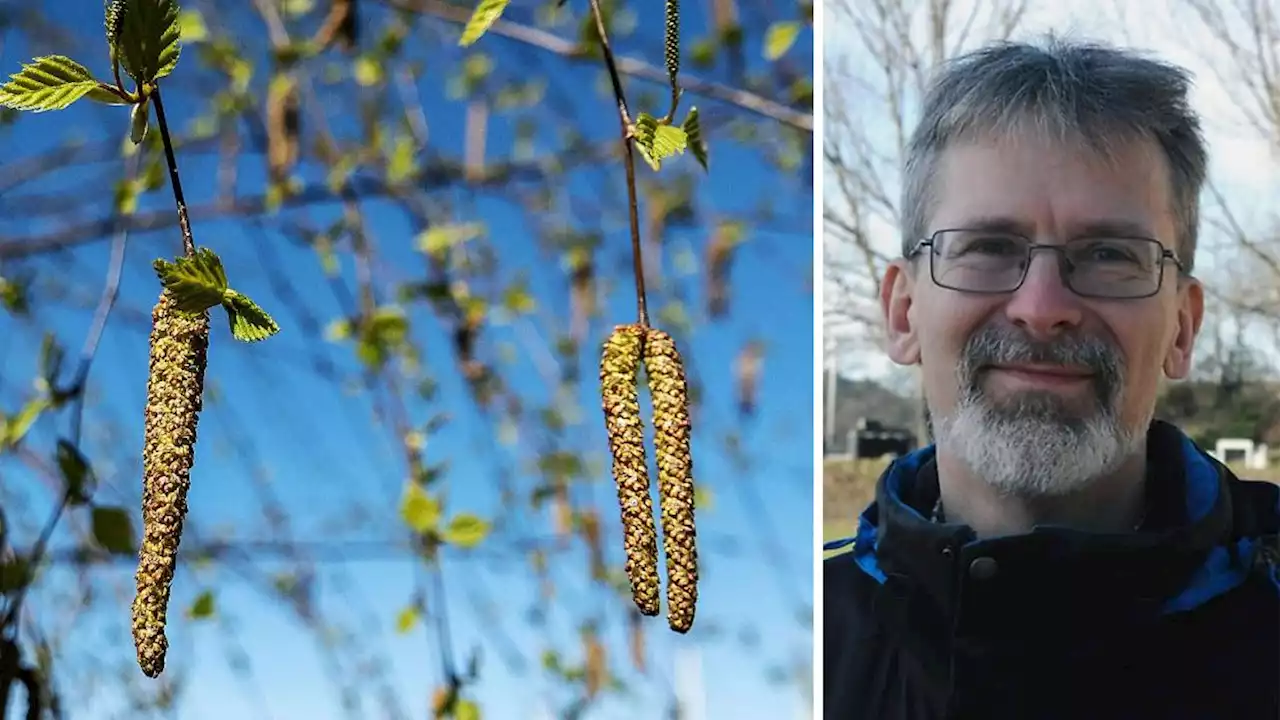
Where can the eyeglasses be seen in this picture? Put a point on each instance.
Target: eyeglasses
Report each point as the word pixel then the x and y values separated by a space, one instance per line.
pixel 981 261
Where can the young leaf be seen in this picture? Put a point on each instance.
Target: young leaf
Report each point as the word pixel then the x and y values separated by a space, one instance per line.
pixel 52 82
pixel 669 140
pixel 657 141
pixel 147 41
pixel 17 426
pixel 76 473
pixel 202 606
pixel 779 38
pixel 138 119
pixel 485 15
pixel 407 618
pixel 466 710
pixel 466 530
pixel 196 283
pixel 249 323
pixel 113 530
pixel 419 510
pixel 693 131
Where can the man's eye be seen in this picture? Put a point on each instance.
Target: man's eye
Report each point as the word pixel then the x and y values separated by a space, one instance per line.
pixel 989 246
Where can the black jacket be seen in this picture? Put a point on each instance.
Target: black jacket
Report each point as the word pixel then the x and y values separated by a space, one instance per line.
pixel 1180 621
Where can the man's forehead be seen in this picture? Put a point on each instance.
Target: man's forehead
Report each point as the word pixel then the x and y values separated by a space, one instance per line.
pixel 1027 184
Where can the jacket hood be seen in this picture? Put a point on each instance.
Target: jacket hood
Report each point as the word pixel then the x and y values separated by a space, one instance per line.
pixel 1205 532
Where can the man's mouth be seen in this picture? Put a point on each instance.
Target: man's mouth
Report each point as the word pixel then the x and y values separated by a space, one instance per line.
pixel 1042 375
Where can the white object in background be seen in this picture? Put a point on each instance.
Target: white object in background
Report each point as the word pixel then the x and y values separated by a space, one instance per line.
pixel 1228 450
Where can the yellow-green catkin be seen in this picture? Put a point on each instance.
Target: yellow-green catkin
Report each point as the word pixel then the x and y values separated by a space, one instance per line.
pixel 670 394
pixel 179 351
pixel 619 389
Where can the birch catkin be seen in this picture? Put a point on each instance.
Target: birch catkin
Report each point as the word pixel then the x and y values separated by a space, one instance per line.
pixel 179 347
pixel 619 387
pixel 670 394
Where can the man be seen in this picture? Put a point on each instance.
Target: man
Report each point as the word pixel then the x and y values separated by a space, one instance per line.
pixel 1057 553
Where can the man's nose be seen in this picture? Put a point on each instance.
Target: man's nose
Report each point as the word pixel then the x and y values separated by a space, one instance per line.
pixel 1044 306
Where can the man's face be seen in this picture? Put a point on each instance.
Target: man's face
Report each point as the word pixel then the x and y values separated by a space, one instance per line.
pixel 1039 389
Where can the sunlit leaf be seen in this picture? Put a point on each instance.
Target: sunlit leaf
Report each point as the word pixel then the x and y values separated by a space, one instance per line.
pixel 148 44
pixel 466 530
pixel 466 710
pixel 779 38
pixel 139 118
pixel 196 283
pixel 20 424
pixel 191 26
pixel 693 132
pixel 419 510
pixel 113 530
pixel 483 18
pixel 437 240
pixel 657 141
pixel 52 82
pixel 408 618
pixel 249 323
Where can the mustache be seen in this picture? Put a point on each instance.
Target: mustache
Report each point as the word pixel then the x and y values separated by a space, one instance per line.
pixel 1000 344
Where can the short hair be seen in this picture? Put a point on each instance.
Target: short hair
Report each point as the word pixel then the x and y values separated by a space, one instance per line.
pixel 1081 91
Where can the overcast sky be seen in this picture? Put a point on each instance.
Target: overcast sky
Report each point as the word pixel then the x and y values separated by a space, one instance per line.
pixel 1243 163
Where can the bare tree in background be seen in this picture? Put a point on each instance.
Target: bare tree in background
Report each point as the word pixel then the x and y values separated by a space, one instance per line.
pixel 878 60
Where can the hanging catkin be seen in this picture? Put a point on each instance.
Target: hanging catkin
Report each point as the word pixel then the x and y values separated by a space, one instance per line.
pixel 670 394
pixel 671 45
pixel 619 380
pixel 179 347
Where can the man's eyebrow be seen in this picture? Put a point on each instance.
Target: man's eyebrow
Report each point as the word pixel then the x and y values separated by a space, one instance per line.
pixel 1106 227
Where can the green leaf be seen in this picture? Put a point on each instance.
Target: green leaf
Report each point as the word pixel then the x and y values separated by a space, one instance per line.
pixel 408 618
pixel 779 38
pixel 657 141
pixel 191 26
pixel 693 131
pixel 466 530
pixel 466 710
pixel 485 15
pixel 202 606
pixel 368 71
pixel 139 118
pixel 76 473
pixel 113 529
pixel 17 426
pixel 15 573
pixel 196 283
pixel 419 510
pixel 148 46
pixel 439 239
pixel 52 82
pixel 249 323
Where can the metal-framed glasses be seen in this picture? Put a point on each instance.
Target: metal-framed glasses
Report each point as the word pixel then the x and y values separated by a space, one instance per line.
pixel 993 262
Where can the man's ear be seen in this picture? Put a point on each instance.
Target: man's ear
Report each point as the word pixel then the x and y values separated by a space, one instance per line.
pixel 1178 358
pixel 897 290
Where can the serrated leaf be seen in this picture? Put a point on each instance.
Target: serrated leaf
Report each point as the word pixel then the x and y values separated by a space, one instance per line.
pixel 51 82
pixel 196 283
pixel 693 131
pixel 148 44
pixel 657 141
pixel 483 18
pixel 669 140
pixel 419 510
pixel 76 473
pixel 113 530
pixel 466 530
pixel 779 38
pixel 202 606
pixel 249 323
pixel 408 618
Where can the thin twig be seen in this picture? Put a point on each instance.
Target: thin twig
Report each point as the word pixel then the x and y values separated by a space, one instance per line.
pixel 184 221
pixel 628 155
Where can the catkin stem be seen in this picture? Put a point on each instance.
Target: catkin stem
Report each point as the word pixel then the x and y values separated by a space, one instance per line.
pixel 179 353
pixel 619 380
pixel 672 432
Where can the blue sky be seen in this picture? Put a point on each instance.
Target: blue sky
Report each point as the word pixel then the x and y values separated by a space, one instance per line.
pixel 323 454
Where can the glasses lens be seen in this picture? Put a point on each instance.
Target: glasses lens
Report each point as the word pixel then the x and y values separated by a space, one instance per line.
pixel 979 261
pixel 1113 267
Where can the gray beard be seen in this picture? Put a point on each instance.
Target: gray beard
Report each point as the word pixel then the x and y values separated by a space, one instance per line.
pixel 1031 448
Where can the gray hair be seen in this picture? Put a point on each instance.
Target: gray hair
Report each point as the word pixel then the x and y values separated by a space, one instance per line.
pixel 1090 93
